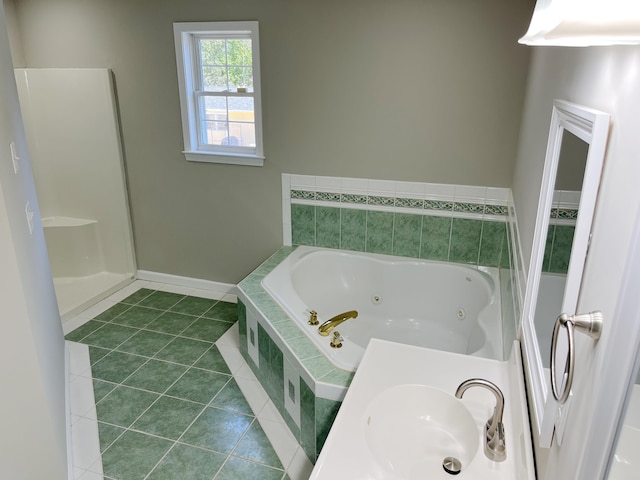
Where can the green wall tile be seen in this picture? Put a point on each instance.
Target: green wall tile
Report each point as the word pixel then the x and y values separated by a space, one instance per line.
pixel 465 240
pixel 264 349
pixel 291 424
pixel 328 227
pixel 407 230
pixel 548 248
pixel 353 229
pixel 307 420
pixel 436 233
pixel 277 374
pixel 505 261
pixel 379 232
pixel 326 411
pixel 242 327
pixel 561 253
pixel 303 224
pixel 494 235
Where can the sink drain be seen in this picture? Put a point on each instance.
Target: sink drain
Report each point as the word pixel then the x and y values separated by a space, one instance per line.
pixel 452 465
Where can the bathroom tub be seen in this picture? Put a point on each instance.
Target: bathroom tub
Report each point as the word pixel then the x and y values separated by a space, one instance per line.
pixel 430 304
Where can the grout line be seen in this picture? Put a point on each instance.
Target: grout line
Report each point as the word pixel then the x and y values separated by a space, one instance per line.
pixel 164 393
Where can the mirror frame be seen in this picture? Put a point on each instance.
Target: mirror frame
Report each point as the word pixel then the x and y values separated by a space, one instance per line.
pixel 591 126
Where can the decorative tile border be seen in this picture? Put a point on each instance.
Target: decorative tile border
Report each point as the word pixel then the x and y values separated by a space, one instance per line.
pixel 321 198
pixel 412 197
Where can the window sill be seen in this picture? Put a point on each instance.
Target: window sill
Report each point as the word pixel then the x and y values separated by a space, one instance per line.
pixel 228 158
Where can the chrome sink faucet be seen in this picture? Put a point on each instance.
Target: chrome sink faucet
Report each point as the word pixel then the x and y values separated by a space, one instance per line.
pixel 330 324
pixel 494 440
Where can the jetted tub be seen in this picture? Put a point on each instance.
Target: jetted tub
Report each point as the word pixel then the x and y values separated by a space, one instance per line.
pixel 429 304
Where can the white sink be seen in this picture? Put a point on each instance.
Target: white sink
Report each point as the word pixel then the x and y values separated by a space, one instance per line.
pixel 411 429
pixel 400 418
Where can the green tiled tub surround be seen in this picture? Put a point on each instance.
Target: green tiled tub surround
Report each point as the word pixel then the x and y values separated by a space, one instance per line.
pixel 392 217
pixel 305 387
pixel 315 415
pixel 167 405
pixel 462 240
pixel 317 385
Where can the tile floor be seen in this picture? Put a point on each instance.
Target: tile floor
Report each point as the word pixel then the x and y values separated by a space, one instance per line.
pixel 167 404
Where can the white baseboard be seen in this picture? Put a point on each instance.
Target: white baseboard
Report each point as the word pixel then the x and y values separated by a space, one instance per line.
pixel 67 409
pixel 188 282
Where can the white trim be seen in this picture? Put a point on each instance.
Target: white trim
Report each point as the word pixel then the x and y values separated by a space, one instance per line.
pixel 187 282
pixel 417 190
pixel 184 34
pixel 228 158
pixel 592 127
pixel 67 412
pixel 286 210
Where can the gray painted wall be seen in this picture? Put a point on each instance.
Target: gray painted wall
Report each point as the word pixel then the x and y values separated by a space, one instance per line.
pixel 405 90
pixel 604 78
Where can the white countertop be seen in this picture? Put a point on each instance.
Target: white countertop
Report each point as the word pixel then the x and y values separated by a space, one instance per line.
pixel 346 454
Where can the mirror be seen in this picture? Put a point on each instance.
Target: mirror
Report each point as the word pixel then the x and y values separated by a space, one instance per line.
pixel 571 175
pixel 560 231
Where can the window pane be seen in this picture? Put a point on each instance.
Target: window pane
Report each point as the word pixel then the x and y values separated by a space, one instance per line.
pixel 214 79
pixel 214 132
pixel 213 118
pixel 212 52
pixel 240 77
pixel 239 52
pixel 242 133
pixel 241 109
pixel 215 108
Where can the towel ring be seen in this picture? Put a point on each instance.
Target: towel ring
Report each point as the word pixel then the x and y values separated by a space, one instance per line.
pixel 589 324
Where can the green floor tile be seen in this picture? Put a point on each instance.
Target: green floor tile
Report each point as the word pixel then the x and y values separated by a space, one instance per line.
pixel 193 305
pixel 225 311
pixel 198 385
pixel 217 430
pixel 84 330
pixel 146 343
pixel 206 329
pixel 212 360
pixel 161 300
pixel 138 296
pixel 231 398
pixel 237 468
pixel 168 417
pixel 137 317
pixel 156 376
pixel 183 350
pixel 116 366
pixel 171 322
pixel 109 336
pixel 133 455
pixel 122 406
pixel 255 446
pixel 97 353
pixel 111 313
pixel 184 461
pixel 102 389
pixel 108 434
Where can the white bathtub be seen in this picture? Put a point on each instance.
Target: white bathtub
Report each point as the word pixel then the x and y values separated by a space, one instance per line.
pixel 429 304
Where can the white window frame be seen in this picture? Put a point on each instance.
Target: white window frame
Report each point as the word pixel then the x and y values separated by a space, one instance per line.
pixel 185 36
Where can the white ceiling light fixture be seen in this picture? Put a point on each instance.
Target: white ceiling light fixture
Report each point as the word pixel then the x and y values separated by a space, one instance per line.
pixel 582 23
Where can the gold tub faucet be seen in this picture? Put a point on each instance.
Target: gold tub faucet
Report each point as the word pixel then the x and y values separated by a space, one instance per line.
pixel 330 324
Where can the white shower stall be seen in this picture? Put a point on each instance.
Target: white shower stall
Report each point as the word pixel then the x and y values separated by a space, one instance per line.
pixel 73 137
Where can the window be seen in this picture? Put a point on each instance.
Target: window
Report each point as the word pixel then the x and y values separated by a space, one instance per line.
pixel 219 82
